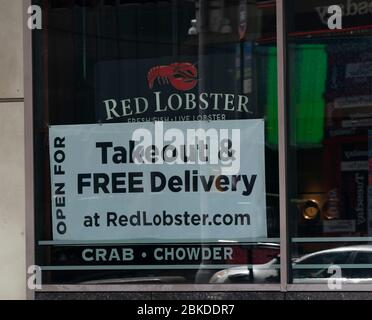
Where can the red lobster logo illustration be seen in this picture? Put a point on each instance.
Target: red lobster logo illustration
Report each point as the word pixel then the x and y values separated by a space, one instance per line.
pixel 182 76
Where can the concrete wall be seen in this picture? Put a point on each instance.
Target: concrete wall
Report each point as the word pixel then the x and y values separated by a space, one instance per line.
pixel 12 207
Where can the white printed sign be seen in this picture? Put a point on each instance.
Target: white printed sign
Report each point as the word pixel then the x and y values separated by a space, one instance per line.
pixel 158 182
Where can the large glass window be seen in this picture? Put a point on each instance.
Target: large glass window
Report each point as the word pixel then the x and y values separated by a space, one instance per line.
pixel 108 71
pixel 330 107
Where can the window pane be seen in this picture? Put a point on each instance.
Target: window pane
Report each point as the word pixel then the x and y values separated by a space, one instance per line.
pixel 112 210
pixel 329 139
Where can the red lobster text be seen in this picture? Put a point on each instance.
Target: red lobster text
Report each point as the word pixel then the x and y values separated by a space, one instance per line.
pixel 182 76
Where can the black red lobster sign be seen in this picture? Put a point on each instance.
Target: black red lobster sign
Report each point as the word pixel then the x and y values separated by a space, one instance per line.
pixel 181 75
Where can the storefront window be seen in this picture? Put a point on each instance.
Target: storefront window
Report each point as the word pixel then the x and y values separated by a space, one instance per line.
pixel 123 195
pixel 329 142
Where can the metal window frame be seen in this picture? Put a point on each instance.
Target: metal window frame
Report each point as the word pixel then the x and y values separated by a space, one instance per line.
pixel 283 286
pixel 282 142
pixel 29 145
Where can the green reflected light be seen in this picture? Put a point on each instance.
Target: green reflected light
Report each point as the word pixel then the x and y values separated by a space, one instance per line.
pixel 308 75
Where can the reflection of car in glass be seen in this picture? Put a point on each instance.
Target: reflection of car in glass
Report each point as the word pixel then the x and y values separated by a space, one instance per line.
pixel 314 267
pixel 259 273
pixel 263 267
pixel 311 268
